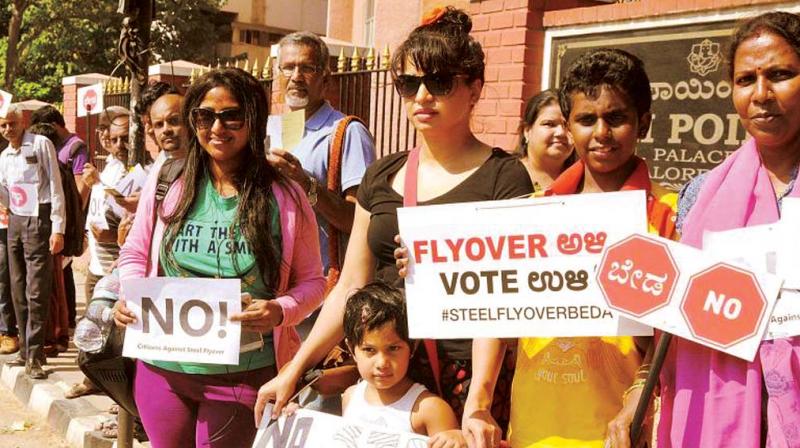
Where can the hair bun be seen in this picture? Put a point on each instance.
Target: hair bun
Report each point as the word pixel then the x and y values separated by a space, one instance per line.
pixel 448 20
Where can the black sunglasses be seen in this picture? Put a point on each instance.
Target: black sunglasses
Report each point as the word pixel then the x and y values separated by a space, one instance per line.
pixel 231 119
pixel 437 84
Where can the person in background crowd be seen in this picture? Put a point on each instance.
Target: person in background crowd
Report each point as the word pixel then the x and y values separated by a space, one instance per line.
pixel 226 183
pixel 439 72
pixel 29 170
pixel 710 398
pixel 72 153
pixel 545 145
pixel 151 93
pixel 303 74
pixel 9 335
pixel 606 98
pixel 103 243
pixel 103 248
pixel 58 323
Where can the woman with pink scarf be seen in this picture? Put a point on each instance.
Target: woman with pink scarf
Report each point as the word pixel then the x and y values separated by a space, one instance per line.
pixel 711 399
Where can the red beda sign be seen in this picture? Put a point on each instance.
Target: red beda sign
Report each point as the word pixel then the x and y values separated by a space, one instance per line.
pixel 723 305
pixel 688 292
pixel 638 287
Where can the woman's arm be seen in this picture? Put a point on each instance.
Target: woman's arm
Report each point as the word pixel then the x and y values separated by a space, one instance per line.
pixel 618 432
pixel 479 427
pixel 134 253
pixel 306 282
pixel 358 270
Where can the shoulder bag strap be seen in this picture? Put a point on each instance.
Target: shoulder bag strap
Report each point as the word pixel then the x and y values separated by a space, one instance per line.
pixel 169 171
pixel 410 200
pixel 334 185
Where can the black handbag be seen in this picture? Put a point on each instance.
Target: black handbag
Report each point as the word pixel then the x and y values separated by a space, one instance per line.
pixel 111 372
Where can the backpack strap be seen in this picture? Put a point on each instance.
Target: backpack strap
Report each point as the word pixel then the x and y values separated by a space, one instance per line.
pixel 75 146
pixel 167 174
pixel 334 185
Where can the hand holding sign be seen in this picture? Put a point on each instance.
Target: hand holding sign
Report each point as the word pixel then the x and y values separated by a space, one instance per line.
pixel 260 316
pixel 182 319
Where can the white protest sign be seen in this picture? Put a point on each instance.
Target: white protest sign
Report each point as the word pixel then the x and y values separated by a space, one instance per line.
pixel 515 268
pixel 767 248
pixel 131 183
pixel 183 319
pixel 689 293
pixel 5 103
pixel 90 99
pixel 307 428
pixel 785 319
pixel 788 243
pixel 97 208
pixel 24 199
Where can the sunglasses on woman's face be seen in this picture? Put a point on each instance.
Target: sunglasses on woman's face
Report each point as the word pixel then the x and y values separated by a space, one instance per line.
pixel 231 119
pixel 437 84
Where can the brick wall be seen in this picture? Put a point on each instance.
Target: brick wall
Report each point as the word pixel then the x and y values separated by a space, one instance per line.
pixel 641 9
pixel 512 37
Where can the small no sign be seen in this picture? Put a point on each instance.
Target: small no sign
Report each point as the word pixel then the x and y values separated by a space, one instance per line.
pixel 90 100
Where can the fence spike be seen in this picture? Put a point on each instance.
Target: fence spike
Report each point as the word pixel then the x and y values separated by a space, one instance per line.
pixel 193 76
pixel 255 71
pixel 340 62
pixel 126 85
pixel 219 64
pixel 355 60
pixel 371 59
pixel 246 65
pixel 385 57
pixel 266 72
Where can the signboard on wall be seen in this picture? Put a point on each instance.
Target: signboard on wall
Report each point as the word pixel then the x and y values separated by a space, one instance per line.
pixel 694 123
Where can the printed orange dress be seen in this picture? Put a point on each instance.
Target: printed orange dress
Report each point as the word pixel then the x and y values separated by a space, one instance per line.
pixel 567 390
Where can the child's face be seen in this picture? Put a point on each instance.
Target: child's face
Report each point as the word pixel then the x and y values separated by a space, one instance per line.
pixel 605 129
pixel 382 357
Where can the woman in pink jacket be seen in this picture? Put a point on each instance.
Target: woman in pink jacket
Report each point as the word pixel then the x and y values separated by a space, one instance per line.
pixel 229 215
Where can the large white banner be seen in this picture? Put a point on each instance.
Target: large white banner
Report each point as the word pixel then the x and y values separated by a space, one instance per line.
pixel 516 268
pixel 316 429
pixel 183 319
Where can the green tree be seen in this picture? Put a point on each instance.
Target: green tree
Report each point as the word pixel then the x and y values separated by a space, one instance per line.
pixel 50 39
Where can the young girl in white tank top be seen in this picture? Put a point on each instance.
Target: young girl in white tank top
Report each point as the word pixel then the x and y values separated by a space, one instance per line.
pixel 376 331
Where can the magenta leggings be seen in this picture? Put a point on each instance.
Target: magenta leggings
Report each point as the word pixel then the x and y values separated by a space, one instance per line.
pixel 180 410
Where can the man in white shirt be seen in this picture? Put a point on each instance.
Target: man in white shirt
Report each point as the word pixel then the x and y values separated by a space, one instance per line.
pixel 29 172
pixel 103 220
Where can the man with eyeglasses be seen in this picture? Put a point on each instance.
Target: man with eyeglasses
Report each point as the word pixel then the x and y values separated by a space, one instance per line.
pixel 32 182
pixel 103 247
pixel 304 73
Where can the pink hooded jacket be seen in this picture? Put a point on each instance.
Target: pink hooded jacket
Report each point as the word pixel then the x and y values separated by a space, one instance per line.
pixel 301 284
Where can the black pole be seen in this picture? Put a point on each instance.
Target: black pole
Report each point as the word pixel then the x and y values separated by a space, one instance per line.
pixel 89 136
pixel 647 392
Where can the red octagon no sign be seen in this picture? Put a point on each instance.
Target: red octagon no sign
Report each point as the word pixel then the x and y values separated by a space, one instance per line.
pixel 723 305
pixel 637 275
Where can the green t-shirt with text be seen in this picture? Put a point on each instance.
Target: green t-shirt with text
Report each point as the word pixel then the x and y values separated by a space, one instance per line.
pixel 209 245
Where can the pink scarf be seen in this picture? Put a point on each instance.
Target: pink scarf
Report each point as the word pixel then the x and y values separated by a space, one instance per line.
pixel 710 398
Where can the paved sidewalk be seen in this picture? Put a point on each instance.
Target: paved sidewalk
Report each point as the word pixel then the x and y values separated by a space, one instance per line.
pixel 75 419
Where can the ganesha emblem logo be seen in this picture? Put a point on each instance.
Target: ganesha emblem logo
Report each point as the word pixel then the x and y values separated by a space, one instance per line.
pixel 18 196
pixel 704 58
